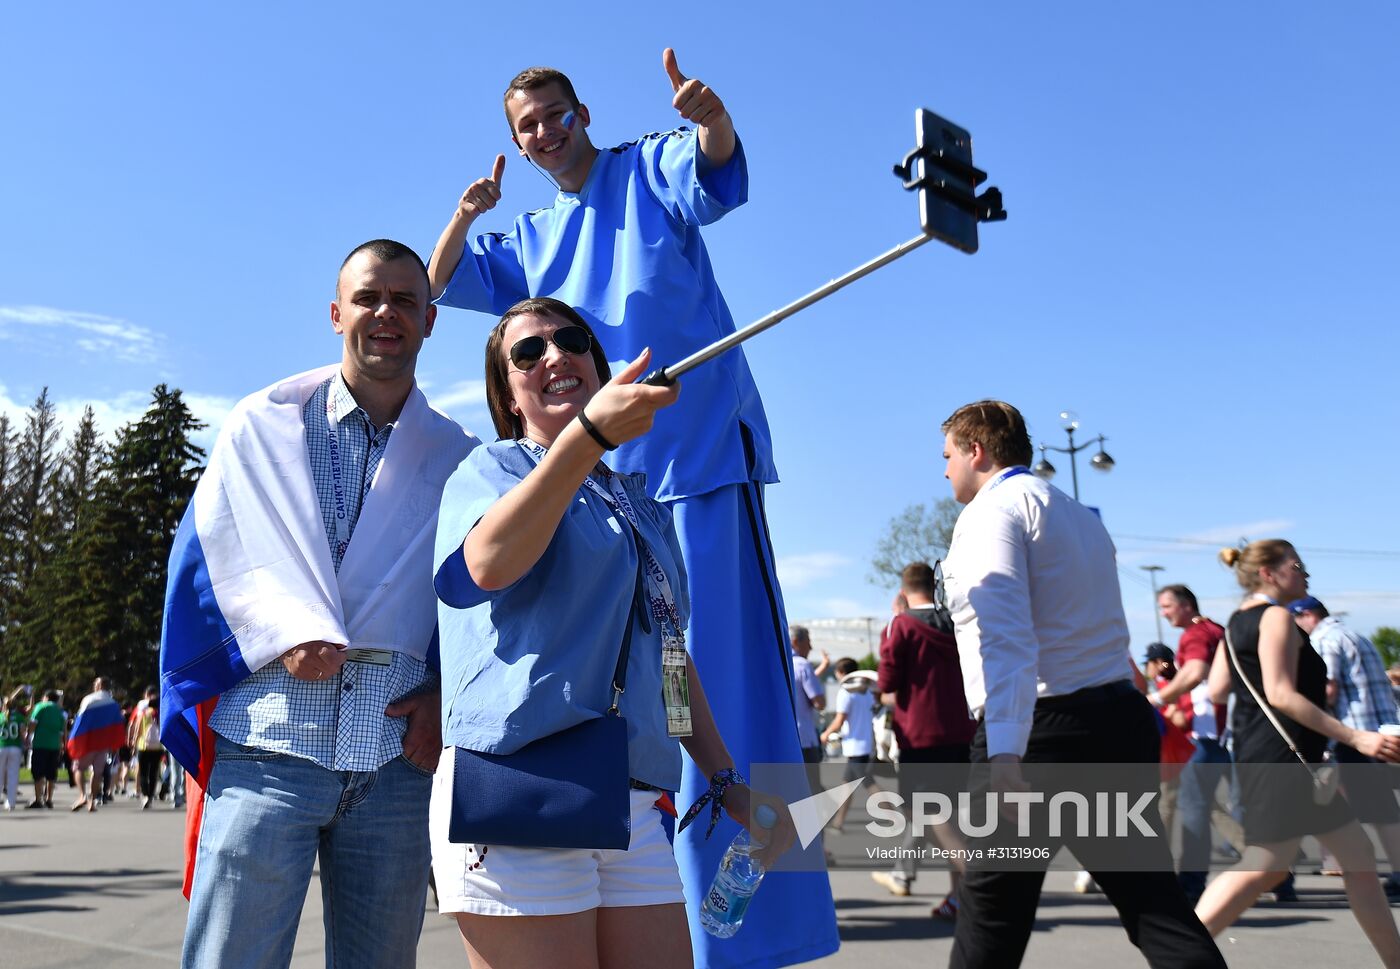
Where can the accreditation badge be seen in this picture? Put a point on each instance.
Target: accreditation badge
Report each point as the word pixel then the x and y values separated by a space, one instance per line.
pixel 675 686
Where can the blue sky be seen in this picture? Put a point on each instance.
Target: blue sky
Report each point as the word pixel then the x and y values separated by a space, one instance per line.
pixel 1200 259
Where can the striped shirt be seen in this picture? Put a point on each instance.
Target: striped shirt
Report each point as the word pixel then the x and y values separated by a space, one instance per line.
pixel 1364 697
pixel 338 722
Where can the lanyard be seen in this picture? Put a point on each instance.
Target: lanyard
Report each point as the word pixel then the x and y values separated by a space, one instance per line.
pixel 1007 475
pixel 662 599
pixel 342 507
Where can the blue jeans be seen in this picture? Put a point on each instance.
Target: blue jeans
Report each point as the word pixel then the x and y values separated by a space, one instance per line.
pixel 177 782
pixel 1208 767
pixel 267 818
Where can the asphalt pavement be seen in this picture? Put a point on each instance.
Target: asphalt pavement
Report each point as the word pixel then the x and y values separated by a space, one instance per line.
pixel 103 890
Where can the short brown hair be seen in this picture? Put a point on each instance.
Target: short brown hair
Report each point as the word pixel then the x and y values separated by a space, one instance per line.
pixel 498 395
pixel 385 250
pixel 918 577
pixel 1183 595
pixel 533 78
pixel 994 424
pixel 1267 553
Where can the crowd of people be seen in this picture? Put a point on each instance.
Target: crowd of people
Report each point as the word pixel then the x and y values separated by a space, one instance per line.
pixel 369 609
pixel 372 615
pixel 100 764
pixel 1243 719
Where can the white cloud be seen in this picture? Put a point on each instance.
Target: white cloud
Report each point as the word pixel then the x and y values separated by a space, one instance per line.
pixel 1136 551
pixel 106 336
pixel 1230 534
pixel 464 395
pixel 799 571
pixel 212 409
pixel 118 411
pixel 840 607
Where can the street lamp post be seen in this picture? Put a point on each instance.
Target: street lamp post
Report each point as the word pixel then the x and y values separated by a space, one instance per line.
pixel 1099 462
pixel 1152 570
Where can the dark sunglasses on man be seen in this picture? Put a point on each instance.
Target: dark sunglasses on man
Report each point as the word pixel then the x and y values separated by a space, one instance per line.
pixel 524 354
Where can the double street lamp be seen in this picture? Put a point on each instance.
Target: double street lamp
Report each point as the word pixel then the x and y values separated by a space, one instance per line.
pixel 1099 461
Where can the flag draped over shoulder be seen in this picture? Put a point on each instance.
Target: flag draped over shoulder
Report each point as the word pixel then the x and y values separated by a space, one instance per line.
pixel 251 574
pixel 98 726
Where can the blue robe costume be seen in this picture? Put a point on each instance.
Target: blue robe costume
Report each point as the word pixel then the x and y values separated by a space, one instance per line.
pixel 626 252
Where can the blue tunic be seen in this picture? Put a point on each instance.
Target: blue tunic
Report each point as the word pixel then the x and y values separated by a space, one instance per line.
pixel 626 252
pixel 538 656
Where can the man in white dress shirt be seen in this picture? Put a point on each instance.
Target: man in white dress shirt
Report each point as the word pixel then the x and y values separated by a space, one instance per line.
pixel 1033 590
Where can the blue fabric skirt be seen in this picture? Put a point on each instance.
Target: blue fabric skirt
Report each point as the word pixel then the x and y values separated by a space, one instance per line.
pixel 738 639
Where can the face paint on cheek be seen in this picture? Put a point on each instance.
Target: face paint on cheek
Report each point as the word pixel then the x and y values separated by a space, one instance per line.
pixel 568 120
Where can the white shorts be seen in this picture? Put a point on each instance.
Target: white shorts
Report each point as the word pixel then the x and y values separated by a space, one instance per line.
pixel 494 880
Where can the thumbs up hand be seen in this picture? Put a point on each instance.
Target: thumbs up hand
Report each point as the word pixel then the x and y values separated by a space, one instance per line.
pixel 483 194
pixel 693 100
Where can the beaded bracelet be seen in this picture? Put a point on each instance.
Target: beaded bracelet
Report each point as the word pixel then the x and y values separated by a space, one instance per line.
pixel 720 781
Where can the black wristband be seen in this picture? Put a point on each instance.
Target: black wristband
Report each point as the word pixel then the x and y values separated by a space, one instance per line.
pixel 593 432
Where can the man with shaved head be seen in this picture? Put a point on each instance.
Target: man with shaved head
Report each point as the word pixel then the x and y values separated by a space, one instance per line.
pixel 298 674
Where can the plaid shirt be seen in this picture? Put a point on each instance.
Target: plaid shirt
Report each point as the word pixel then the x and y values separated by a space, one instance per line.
pixel 339 722
pixel 1364 698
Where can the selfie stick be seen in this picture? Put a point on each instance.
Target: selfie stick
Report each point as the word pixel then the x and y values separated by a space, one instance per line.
pixel 948 208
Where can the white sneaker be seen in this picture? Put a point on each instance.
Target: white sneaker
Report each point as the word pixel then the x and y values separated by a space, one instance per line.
pixel 892 882
pixel 1084 883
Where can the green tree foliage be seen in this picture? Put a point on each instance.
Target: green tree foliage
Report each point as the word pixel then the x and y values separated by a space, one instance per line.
pixel 1387 643
pixel 78 472
pixel 120 550
pixel 9 533
pixel 50 603
pixel 94 604
pixel 36 523
pixel 920 533
pixel 27 521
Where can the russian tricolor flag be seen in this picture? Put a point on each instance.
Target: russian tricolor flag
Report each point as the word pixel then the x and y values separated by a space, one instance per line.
pixel 251 574
pixel 99 726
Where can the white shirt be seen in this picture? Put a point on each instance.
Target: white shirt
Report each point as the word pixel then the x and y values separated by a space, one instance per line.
pixel 858 732
pixel 1033 590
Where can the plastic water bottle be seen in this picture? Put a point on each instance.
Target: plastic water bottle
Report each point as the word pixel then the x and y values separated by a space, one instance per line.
pixel 737 879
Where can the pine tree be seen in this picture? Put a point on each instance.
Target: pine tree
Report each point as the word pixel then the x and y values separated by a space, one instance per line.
pixel 35 520
pixel 27 523
pixel 78 473
pixel 51 600
pixel 9 538
pixel 121 548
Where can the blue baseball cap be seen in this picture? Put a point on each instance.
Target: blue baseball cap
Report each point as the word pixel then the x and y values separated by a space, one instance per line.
pixel 1305 604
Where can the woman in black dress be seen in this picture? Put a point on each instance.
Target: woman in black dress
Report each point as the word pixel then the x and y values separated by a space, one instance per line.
pixel 1279 806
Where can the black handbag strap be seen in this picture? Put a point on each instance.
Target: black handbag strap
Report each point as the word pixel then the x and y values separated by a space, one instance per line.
pixel 638 596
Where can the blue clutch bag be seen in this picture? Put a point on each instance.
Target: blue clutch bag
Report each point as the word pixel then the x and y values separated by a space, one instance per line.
pixel 566 790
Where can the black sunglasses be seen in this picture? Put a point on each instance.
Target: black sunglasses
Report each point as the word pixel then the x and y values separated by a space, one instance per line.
pixel 524 354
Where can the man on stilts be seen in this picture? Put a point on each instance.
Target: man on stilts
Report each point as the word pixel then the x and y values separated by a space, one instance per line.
pixel 621 243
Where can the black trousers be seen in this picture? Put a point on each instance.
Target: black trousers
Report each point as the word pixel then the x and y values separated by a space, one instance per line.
pixel 148 767
pixel 1103 725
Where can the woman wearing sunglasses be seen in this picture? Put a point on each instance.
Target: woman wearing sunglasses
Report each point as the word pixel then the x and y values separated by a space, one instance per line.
pixel 537 572
pixel 1280 797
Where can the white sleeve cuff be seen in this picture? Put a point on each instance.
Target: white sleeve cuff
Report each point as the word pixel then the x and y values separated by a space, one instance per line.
pixel 1007 737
